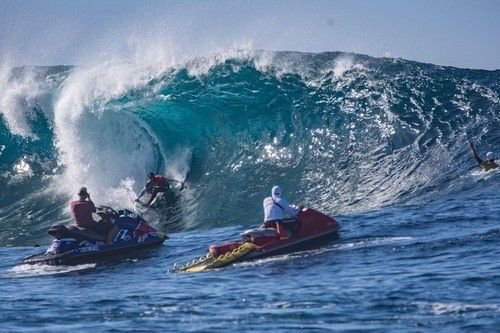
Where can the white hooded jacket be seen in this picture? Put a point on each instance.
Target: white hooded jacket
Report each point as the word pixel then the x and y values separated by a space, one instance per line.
pixel 276 207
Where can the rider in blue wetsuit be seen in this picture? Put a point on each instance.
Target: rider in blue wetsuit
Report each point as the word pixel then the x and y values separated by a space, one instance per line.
pixel 487 164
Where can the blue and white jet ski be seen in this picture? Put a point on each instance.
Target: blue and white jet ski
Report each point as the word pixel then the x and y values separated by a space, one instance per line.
pixel 75 245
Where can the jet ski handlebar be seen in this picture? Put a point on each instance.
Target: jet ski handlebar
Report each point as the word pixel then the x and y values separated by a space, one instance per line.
pixel 106 211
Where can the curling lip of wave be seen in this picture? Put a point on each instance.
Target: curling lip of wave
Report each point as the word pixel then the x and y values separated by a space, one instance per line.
pixel 346 132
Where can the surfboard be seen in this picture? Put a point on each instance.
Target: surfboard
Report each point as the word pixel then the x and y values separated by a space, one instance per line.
pixel 140 206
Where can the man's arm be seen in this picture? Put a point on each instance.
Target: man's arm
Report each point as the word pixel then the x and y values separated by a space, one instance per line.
pixel 146 188
pixel 141 194
pixel 92 204
pixel 474 152
pixel 290 211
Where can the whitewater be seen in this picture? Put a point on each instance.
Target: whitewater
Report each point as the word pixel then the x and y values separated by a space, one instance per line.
pixel 381 144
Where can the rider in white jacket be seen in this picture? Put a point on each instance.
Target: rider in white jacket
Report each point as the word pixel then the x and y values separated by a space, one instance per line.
pixel 276 209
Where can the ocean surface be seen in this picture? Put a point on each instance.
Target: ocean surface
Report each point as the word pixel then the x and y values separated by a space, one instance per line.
pixel 381 144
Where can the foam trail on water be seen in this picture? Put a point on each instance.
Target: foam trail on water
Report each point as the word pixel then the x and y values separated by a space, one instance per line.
pixel 26 270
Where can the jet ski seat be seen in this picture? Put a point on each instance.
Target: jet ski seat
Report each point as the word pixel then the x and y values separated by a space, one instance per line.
pixel 79 233
pixel 87 233
pixel 252 234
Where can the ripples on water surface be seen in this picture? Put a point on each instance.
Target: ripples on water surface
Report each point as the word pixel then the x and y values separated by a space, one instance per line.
pixel 424 273
pixel 380 143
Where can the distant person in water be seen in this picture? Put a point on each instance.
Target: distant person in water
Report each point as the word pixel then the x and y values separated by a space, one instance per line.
pixel 82 210
pixel 276 209
pixel 487 164
pixel 155 184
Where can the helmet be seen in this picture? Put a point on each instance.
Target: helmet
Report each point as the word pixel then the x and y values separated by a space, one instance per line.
pixel 83 192
pixel 489 156
pixel 151 174
pixel 276 192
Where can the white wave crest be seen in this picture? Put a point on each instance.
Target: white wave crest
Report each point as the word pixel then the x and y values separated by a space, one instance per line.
pixel 441 308
pixel 343 65
pixel 202 65
pixel 17 100
pixel 110 150
pixel 101 147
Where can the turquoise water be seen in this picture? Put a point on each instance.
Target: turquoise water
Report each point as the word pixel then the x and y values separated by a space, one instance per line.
pixel 381 144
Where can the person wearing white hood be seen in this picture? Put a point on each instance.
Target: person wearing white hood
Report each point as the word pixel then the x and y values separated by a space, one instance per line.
pixel 276 210
pixel 487 164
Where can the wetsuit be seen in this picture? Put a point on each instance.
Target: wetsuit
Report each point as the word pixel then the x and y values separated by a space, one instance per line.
pixel 483 164
pixel 155 185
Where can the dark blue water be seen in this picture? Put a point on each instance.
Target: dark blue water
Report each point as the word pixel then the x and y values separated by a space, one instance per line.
pixel 381 144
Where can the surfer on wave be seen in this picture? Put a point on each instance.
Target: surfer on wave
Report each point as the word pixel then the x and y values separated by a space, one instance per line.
pixel 155 184
pixel 487 164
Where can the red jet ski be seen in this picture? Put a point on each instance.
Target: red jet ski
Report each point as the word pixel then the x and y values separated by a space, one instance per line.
pixel 309 229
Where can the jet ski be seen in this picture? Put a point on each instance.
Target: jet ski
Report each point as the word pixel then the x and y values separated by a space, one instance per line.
pixel 75 245
pixel 309 229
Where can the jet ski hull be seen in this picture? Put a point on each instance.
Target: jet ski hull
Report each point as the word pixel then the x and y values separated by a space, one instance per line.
pixel 76 245
pixel 294 246
pixel 314 229
pixel 69 258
